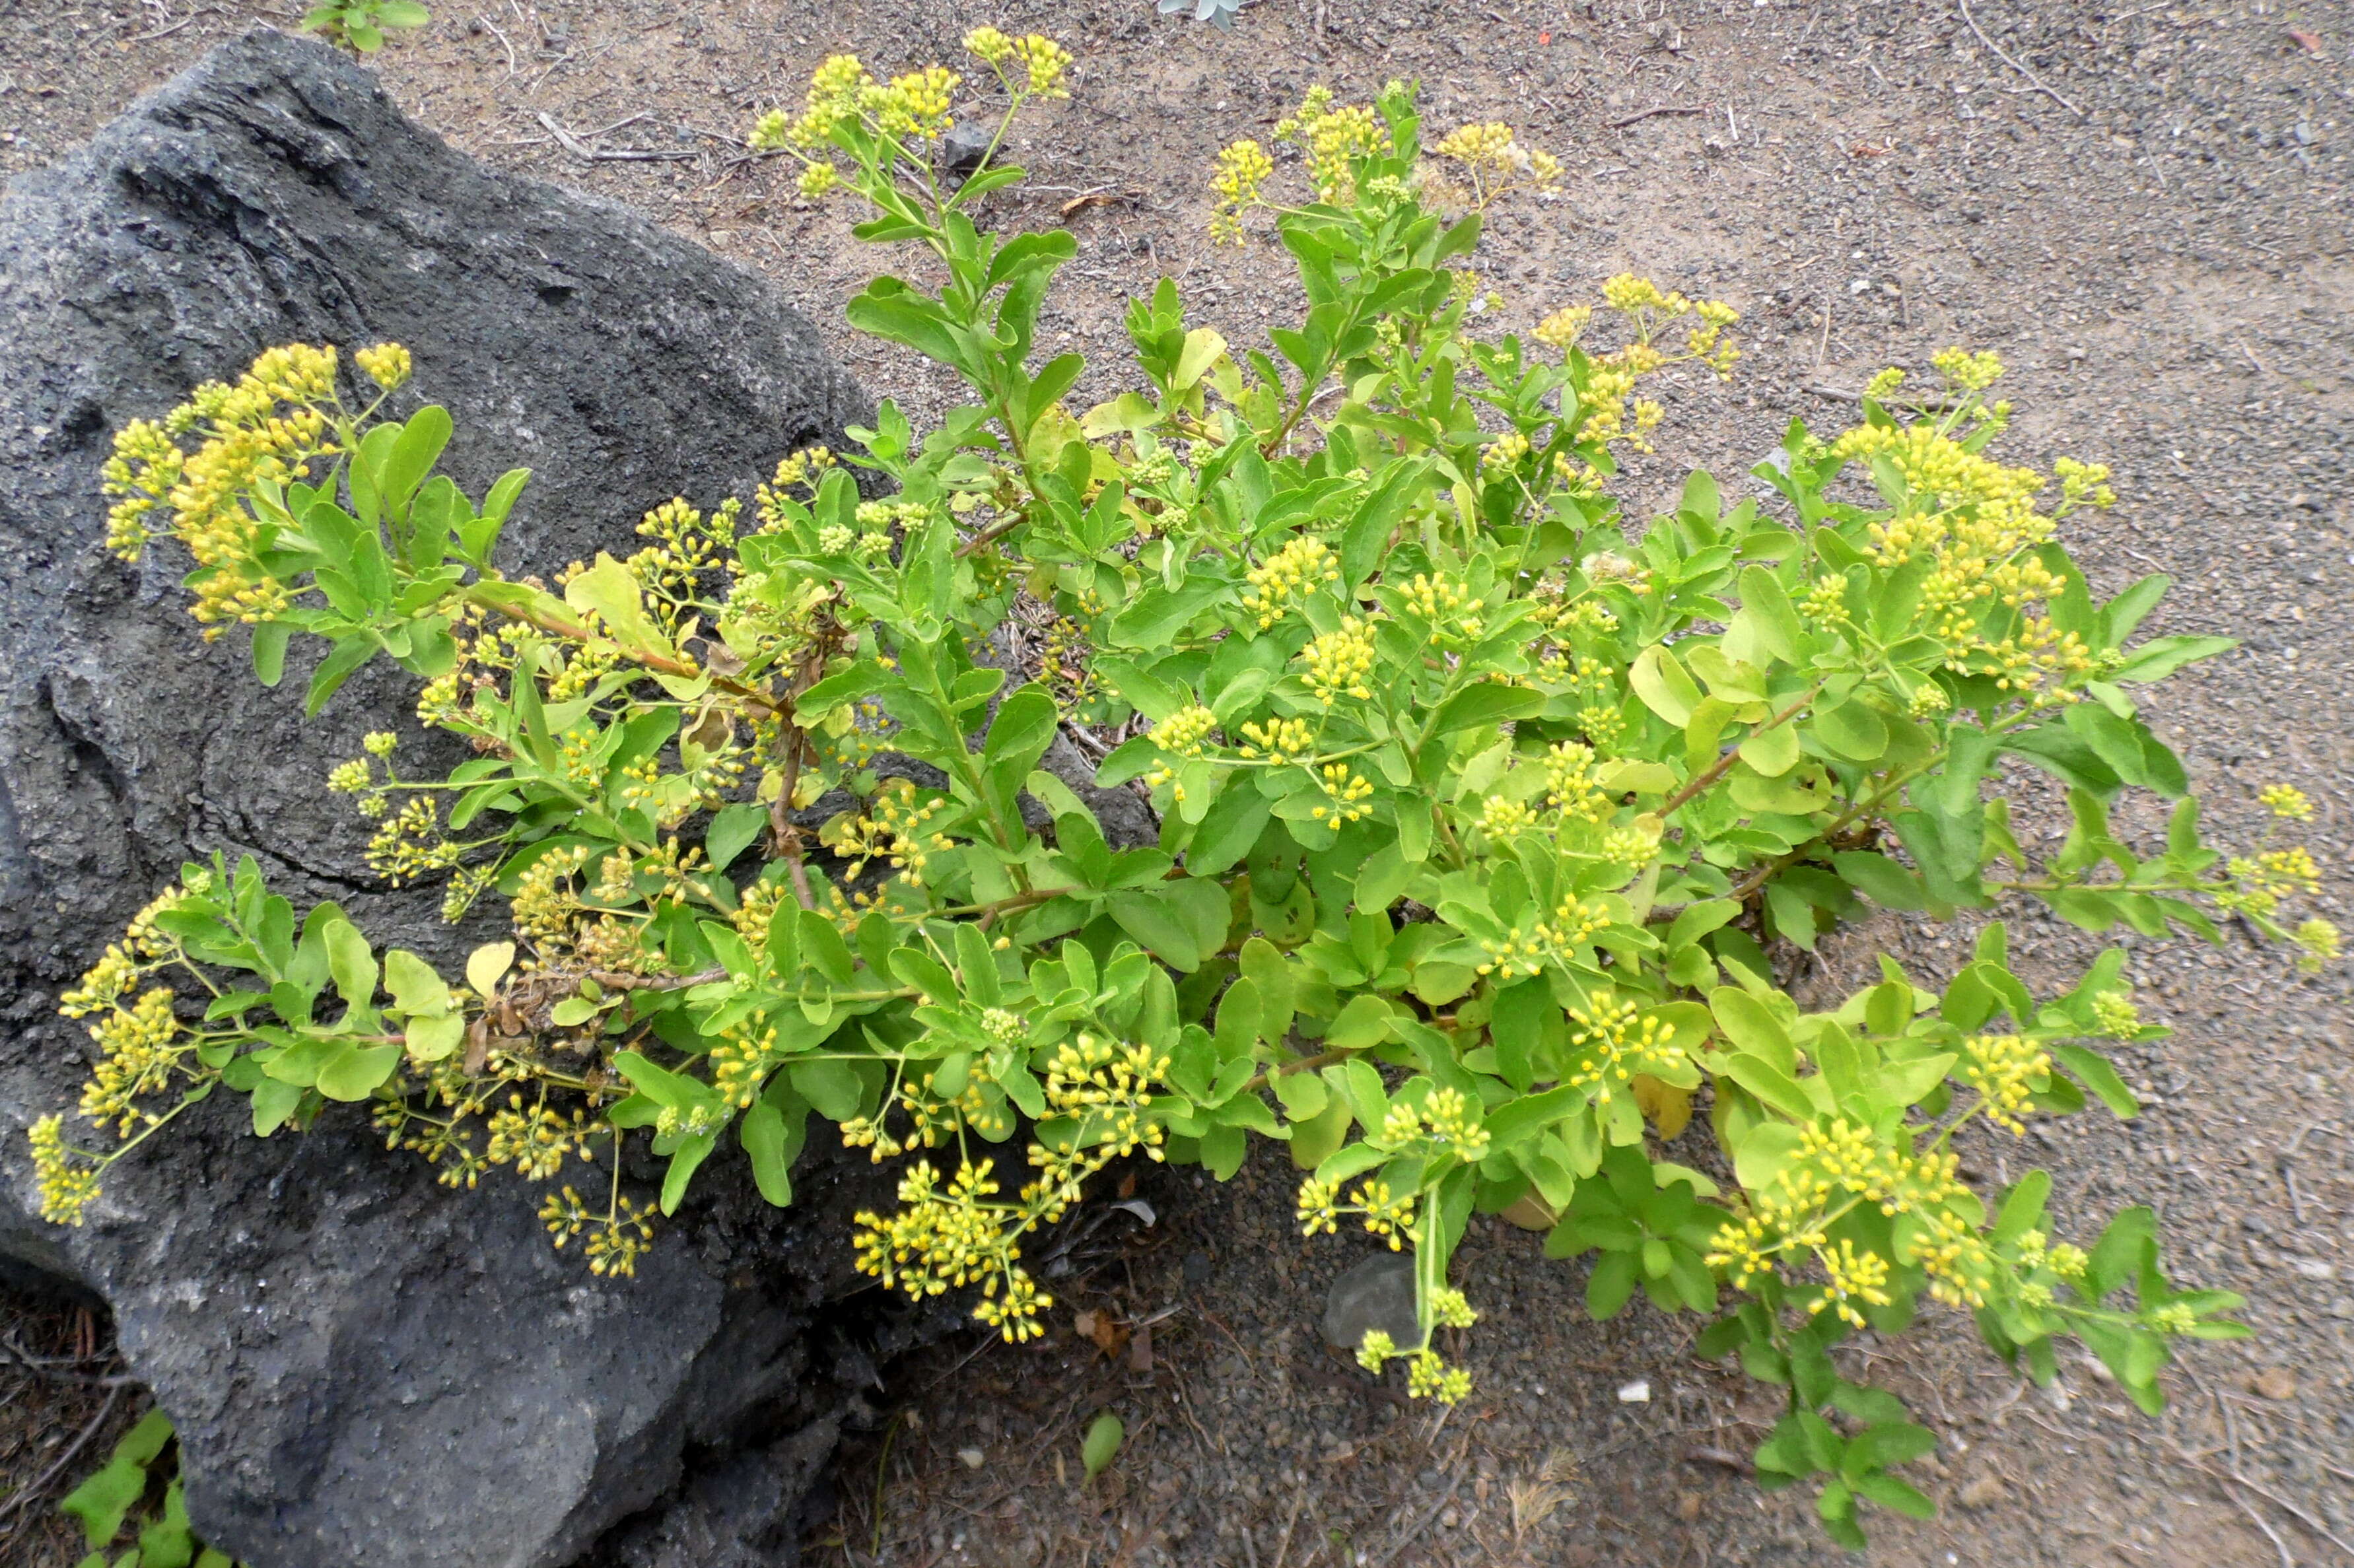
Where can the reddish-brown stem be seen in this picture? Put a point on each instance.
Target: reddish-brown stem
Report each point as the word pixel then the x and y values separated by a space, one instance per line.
pixel 1723 764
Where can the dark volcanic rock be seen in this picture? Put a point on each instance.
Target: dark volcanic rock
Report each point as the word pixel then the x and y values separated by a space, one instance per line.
pixel 366 1368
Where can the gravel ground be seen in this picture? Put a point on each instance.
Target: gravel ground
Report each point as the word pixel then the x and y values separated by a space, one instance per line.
pixel 2143 209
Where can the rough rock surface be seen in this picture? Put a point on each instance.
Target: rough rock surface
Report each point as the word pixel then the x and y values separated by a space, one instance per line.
pixel 366 1368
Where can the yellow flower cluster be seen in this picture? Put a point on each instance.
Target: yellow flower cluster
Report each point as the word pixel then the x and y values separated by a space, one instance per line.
pixel 385 364
pixel 740 1063
pixel 1854 1276
pixel 139 1049
pixel 534 1140
pixel 1341 663
pixel 896 828
pixel 1575 923
pixel 1452 1122
pixel 2082 483
pixel 2319 943
pixel 797 471
pixel 1278 740
pixel 266 429
pixel 1044 63
pixel 1429 1377
pixel 947 1237
pixel 1346 793
pixel 1967 372
pixel 1385 1215
pixel 1445 602
pixel 1617 1040
pixel 2277 871
pixel 67 1184
pixel 1570 789
pixel 622 1235
pixel 1501 454
pixel 409 844
pixel 1501 817
pixel 1298 569
pixel 1333 136
pixel 2288 802
pixel 1564 326
pixel 120 967
pixel 1186 731
pixel 1512 955
pixel 1836 1166
pixel 2114 1014
pixel 937 1239
pixel 1243 167
pixel 2006 1070
pixel 1495 160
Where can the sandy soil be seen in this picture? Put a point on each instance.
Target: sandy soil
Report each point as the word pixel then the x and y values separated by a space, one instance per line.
pixel 2144 209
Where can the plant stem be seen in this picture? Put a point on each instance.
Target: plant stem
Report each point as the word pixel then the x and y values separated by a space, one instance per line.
pixel 1723 764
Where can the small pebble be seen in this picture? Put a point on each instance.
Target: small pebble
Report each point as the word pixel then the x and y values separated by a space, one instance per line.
pixel 972 1458
pixel 1636 1392
pixel 1376 1294
pixel 2274 1382
pixel 1984 1492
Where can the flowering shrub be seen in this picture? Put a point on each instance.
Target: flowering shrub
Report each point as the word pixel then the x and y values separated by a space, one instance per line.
pixel 1485 815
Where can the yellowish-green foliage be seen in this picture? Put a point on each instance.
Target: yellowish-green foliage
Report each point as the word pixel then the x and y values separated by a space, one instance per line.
pixel 1490 815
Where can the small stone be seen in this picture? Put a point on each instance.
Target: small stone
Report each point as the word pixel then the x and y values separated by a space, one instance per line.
pixel 1376 1294
pixel 2314 1268
pixel 1688 1507
pixel 1197 1268
pixel 2274 1382
pixel 1636 1392
pixel 972 1458
pixel 1984 1492
pixel 964 147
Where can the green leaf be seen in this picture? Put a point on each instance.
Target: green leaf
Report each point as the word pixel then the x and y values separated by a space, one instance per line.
pixel 2022 1207
pixel 1753 1026
pixel 1772 752
pixel 608 591
pixel 689 1153
pixel 272 1103
pixel 102 1501
pixel 1776 620
pixel 1485 703
pixel 1149 917
pixel 1105 1434
pixel 342 663
pixel 1611 1283
pixel 1232 825
pixel 831 1086
pixel 2093 1070
pixel 1769 1084
pixel 823 950
pixel 1663 685
pixel 354 1072
pixel 352 964
pixel 269 640
pixel 2162 656
pixel 435 1038
pixel 1853 731
pixel 732 829
pixel 1881 879
pixel 416 989
pixel 1023 728
pixel 1891 1493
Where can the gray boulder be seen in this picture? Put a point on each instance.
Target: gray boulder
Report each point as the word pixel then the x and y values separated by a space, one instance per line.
pixel 366 1368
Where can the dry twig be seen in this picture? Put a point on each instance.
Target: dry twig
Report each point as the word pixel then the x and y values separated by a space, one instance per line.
pixel 73 1448
pixel 2033 79
pixel 1655 109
